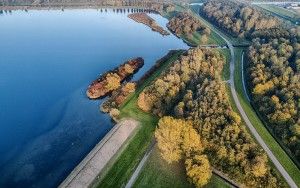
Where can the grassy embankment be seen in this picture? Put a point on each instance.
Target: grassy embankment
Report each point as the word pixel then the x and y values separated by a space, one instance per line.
pixel 281 12
pixel 226 68
pixel 119 173
pixel 277 150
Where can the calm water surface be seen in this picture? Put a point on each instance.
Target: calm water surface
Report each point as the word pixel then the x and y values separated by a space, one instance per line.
pixel 47 59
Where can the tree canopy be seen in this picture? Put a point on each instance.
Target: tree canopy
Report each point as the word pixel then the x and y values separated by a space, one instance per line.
pixel 192 89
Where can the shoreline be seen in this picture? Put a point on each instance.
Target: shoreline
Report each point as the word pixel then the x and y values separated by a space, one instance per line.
pixel 94 163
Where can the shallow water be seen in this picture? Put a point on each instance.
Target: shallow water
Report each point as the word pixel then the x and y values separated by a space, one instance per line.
pixel 47 59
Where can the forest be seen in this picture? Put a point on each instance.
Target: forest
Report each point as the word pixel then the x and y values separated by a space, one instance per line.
pixel 184 24
pixel 240 19
pixel 192 90
pixel 274 82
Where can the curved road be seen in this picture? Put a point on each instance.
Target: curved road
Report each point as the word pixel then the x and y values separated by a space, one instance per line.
pixel 280 168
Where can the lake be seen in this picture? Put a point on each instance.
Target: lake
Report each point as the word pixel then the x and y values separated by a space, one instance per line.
pixel 47 60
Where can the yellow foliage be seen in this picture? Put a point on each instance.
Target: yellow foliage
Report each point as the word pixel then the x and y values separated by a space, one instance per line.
pixel 129 87
pixel 236 118
pixel 177 137
pixel 114 113
pixel 222 152
pixel 168 136
pixel 113 81
pixel 261 89
pixel 198 170
pixel 259 168
pixel 128 69
pixel 144 102
pixel 191 140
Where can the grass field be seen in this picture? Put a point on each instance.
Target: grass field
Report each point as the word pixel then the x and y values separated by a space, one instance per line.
pixel 280 154
pixel 158 173
pixel 282 12
pixel 226 68
pixel 120 172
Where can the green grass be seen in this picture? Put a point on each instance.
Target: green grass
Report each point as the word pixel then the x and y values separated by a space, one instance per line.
pixel 280 154
pixel 119 173
pixel 195 39
pixel 226 69
pixel 157 173
pixel 281 12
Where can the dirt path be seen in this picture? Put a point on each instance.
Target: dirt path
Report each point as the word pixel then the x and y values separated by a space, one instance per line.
pixel 92 165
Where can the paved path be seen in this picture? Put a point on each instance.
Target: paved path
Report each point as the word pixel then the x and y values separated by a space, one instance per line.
pixel 139 168
pixel 224 177
pixel 90 167
pixel 278 165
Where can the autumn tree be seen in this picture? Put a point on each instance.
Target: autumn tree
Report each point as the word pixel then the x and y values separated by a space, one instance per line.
pixel 192 89
pixel 240 19
pixel 168 136
pixel 198 170
pixel 113 81
pixel 274 82
pixel 177 138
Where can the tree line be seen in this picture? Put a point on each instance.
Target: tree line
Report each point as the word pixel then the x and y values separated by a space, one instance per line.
pixel 274 83
pixel 191 89
pixel 273 65
pixel 240 19
pixel 184 24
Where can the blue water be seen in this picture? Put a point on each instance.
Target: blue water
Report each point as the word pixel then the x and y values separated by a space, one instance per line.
pixel 47 60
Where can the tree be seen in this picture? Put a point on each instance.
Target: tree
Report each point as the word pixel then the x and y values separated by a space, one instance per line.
pixel 113 81
pixel 259 168
pixel 204 39
pixel 191 142
pixel 198 170
pixel 128 69
pixel 168 136
pixel 114 113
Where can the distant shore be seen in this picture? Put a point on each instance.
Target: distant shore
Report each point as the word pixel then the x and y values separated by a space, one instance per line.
pixel 69 6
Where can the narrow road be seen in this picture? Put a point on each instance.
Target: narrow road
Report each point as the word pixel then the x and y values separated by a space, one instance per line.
pixel 139 168
pixel 280 168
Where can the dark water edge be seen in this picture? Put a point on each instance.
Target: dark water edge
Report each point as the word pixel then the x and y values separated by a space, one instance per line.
pixel 73 136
